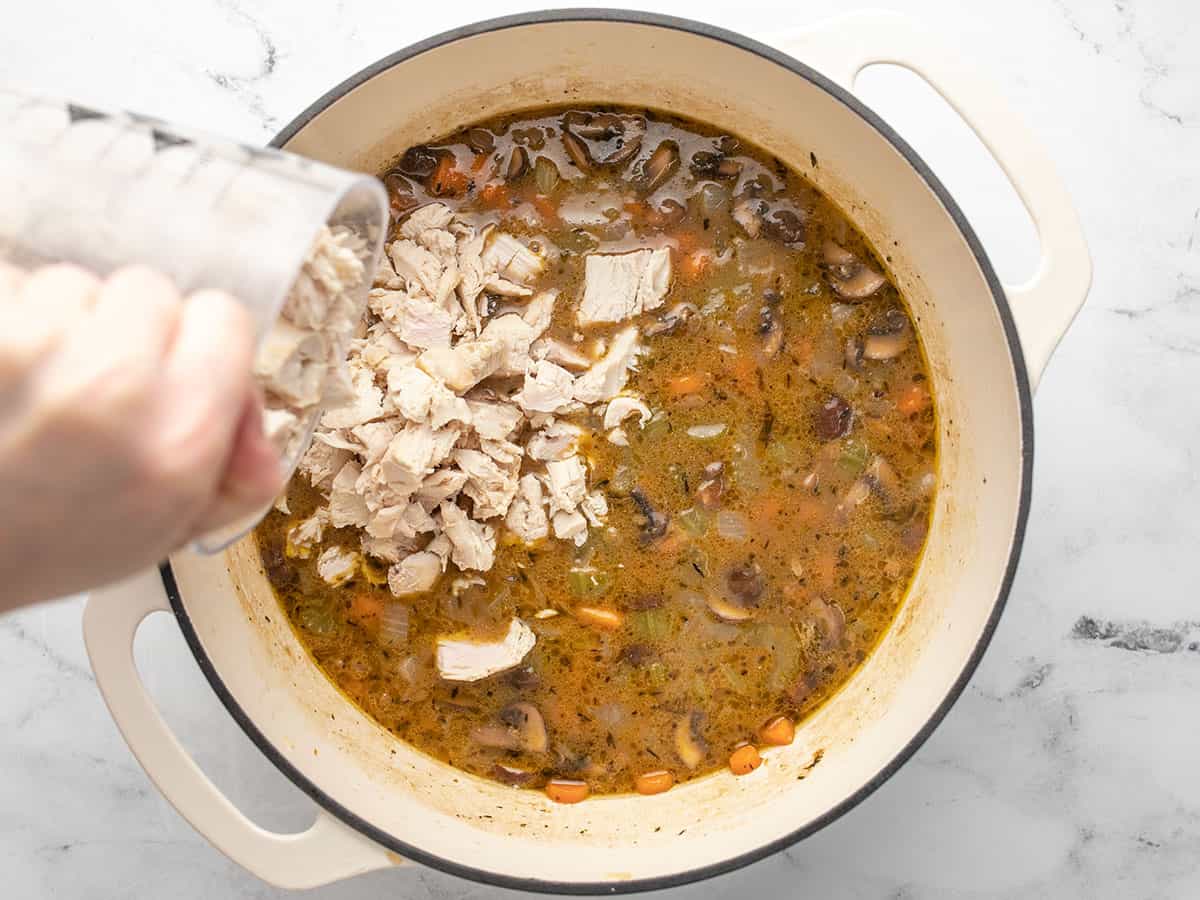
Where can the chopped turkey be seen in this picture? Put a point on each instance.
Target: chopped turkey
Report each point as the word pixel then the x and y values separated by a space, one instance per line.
pixel 390 550
pixel 366 405
pixel 513 335
pixel 594 507
pixel 606 378
pixel 558 440
pixel 424 324
pixel 473 543
pixel 419 268
pixel 430 216
pixel 414 521
pixel 463 366
pixel 291 364
pixel 321 462
pixel 548 388
pixel 412 391
pixel 444 484
pixel 559 353
pixel 566 483
pixel 415 574
pixel 303 537
pixel 527 514
pixel 494 420
pixel 619 286
pixel 570 526
pixel 490 487
pixel 337 565
pixel 346 505
pixel 375 438
pixel 502 287
pixel 539 311
pixel 511 259
pixel 416 451
pixel 459 659
pixel 622 407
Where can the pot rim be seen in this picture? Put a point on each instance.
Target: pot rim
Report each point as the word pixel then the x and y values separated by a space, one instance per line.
pixel 1024 394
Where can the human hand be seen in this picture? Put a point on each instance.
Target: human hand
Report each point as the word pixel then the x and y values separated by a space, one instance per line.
pixel 129 424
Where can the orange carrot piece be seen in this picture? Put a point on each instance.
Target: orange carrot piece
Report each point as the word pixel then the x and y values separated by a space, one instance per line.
pixel 682 385
pixel 778 732
pixel 744 760
pixel 695 264
pixel 494 196
pixel 366 608
pixel 446 180
pixel 912 399
pixel 546 207
pixel 479 161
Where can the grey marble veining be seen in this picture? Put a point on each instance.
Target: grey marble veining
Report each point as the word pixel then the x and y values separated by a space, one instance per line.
pixel 1069 768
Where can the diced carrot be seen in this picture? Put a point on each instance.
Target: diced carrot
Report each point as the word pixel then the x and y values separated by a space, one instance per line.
pixel 777 732
pixel 685 241
pixel 494 196
pixel 546 207
pixel 366 607
pixel 654 782
pixel 682 385
pixel 745 373
pixel 446 180
pixel 479 161
pixel 802 350
pixel 912 399
pixel 565 790
pixel 744 760
pixel 599 617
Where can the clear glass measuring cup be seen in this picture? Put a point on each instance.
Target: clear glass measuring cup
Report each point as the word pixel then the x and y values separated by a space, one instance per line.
pixel 105 189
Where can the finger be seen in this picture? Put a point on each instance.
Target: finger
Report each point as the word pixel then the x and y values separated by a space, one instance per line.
pixel 205 380
pixel 135 313
pixel 11 278
pixel 253 477
pixel 50 301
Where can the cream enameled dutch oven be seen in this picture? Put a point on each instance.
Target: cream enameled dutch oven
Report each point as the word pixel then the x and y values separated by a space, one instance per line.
pixel 380 801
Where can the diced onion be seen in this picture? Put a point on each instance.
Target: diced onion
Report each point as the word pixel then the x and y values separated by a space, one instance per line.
pixel 393 623
pixel 706 432
pixel 732 526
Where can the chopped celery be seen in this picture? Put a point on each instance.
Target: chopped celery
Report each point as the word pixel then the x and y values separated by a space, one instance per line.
pixel 317 618
pixel 694 521
pixel 588 583
pixel 854 456
pixel 650 625
pixel 657 428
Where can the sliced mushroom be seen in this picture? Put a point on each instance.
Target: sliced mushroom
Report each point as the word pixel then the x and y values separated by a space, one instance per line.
pixel 518 164
pixel 660 166
pixel 418 162
pixel 497 737
pixel 746 582
pixel 888 336
pixel 849 276
pixel 688 744
pixel 671 320
pixel 713 164
pixel 480 140
pixel 654 523
pixel 834 419
pixel 830 620
pixel 527 722
pixel 708 493
pixel 577 150
pixel 785 226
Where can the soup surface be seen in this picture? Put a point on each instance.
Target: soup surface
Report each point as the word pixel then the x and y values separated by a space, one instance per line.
pixel 759 469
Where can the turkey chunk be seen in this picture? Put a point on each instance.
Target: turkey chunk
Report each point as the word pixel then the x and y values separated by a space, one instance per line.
pixel 337 565
pixel 463 366
pixel 430 216
pixel 419 268
pixel 346 505
pixel 558 440
pixel 619 286
pixel 473 544
pixel 527 513
pixel 570 526
pixel 291 364
pixel 424 324
pixel 415 574
pixel 366 405
pixel 607 377
pixel 459 659
pixel 511 259
pixel 415 451
pixel 548 388
pixel 490 487
pixel 321 462
pixel 566 482
pixel 494 421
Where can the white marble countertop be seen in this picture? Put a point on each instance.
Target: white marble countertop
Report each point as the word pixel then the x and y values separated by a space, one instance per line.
pixel 1071 765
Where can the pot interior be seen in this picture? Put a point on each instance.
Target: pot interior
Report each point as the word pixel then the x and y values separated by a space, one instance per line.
pixel 479 828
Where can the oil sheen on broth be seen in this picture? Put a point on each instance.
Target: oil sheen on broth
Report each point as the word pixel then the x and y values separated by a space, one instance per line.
pixel 764 522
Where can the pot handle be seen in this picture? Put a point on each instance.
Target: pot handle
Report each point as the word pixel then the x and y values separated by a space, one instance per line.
pixel 1044 306
pixel 326 851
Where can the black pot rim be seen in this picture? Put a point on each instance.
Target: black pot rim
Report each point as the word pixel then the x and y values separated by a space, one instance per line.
pixel 699 873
